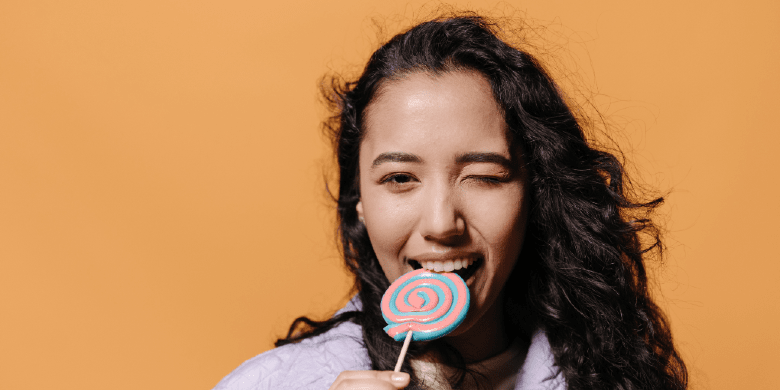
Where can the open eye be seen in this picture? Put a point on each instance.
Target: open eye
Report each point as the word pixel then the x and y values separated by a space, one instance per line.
pixel 398 178
pixel 399 182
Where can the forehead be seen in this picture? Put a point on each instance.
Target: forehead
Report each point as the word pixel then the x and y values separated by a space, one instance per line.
pixel 454 111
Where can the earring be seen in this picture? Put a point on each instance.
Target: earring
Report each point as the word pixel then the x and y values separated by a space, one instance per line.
pixel 361 219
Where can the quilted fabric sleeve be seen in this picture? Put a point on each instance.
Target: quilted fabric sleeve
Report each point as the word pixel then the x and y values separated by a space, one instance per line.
pixel 311 364
pixel 539 371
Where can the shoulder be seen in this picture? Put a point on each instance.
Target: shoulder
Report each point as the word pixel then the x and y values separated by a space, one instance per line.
pixel 313 363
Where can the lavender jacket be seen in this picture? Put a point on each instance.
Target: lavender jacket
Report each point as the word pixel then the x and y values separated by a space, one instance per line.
pixel 315 363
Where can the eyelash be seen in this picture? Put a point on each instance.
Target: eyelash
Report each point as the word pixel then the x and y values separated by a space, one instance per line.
pixel 393 178
pixel 492 180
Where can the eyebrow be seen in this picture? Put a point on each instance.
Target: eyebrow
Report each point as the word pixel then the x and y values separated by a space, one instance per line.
pixel 465 158
pixel 396 157
pixel 484 157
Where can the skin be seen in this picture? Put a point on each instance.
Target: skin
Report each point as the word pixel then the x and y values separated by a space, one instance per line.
pixel 438 182
pixel 376 380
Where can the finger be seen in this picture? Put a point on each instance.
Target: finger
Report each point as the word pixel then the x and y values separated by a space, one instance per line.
pixel 365 384
pixel 346 377
pixel 359 374
pixel 397 379
pixel 380 380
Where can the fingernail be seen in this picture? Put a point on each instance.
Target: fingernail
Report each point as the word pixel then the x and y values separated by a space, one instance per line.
pixel 399 376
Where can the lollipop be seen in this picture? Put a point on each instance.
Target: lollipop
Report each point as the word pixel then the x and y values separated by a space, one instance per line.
pixel 424 305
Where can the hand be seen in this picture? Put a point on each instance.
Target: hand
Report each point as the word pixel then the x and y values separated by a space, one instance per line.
pixel 374 380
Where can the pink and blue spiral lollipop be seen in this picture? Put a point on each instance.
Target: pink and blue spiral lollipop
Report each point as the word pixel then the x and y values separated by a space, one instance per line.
pixel 426 303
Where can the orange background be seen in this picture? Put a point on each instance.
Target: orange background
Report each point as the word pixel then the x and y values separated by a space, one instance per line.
pixel 162 205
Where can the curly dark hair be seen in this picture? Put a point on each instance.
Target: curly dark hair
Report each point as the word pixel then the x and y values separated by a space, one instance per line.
pixel 582 278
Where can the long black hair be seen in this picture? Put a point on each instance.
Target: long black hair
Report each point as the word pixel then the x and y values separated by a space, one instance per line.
pixel 581 276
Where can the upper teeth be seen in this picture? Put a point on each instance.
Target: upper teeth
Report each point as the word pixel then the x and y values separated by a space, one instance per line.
pixel 447 266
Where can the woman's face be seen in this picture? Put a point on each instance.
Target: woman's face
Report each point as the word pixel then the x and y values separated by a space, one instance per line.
pixel 439 188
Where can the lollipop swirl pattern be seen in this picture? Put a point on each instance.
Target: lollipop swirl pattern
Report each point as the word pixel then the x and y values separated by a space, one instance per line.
pixel 428 304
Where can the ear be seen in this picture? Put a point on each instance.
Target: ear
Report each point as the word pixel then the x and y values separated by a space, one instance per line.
pixel 359 208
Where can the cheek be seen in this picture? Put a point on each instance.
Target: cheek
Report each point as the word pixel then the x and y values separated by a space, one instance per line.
pixel 500 220
pixel 389 225
pixel 387 220
pixel 386 236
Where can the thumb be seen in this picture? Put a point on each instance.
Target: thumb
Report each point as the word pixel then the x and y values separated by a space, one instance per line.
pixel 397 379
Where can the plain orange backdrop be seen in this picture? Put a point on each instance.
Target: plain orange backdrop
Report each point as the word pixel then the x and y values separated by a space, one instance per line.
pixel 162 207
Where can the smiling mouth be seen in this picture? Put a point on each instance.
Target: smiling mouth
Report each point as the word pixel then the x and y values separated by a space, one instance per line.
pixel 465 269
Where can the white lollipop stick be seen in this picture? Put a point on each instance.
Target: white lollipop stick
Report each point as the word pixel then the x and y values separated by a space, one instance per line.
pixel 403 351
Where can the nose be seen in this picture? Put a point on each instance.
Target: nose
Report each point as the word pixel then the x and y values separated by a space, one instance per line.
pixel 442 221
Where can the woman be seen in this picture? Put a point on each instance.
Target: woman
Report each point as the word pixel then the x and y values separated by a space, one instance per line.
pixel 456 150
